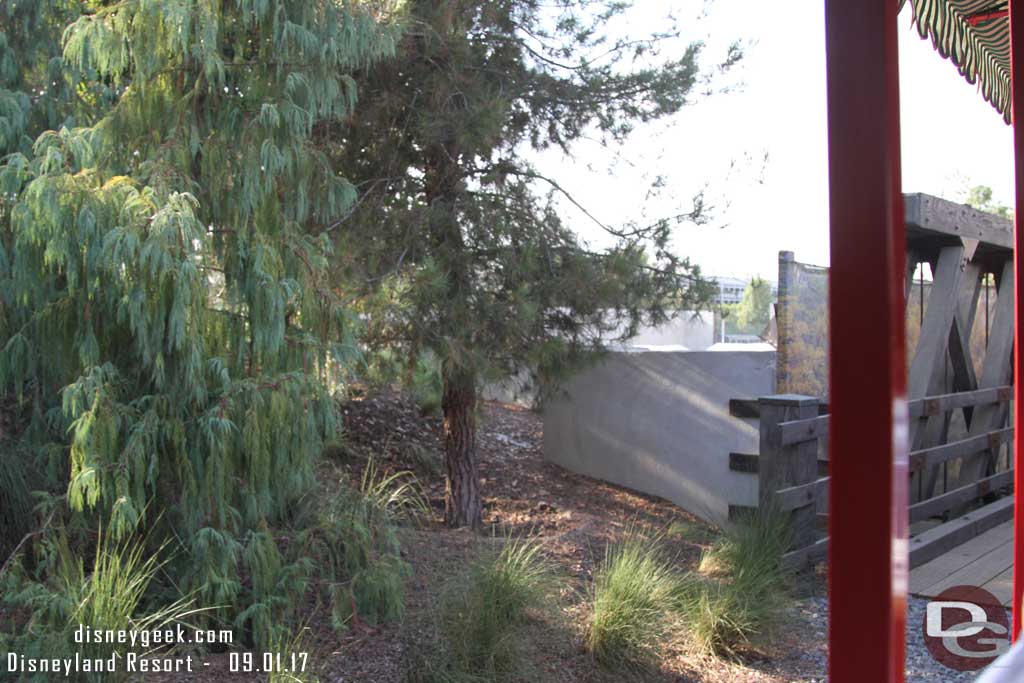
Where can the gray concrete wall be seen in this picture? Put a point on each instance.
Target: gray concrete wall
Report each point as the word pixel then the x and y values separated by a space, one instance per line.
pixel 693 330
pixel 658 422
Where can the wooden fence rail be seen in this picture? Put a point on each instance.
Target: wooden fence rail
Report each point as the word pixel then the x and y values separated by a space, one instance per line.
pixel 793 437
pixel 812 428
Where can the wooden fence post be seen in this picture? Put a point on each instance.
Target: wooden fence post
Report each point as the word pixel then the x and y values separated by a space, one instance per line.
pixel 784 466
pixel 784 322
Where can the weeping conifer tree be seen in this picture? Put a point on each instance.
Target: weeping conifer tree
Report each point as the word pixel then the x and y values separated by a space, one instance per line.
pixel 167 321
pixel 454 242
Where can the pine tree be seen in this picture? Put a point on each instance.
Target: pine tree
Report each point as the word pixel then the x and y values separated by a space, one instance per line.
pixel 167 316
pixel 455 243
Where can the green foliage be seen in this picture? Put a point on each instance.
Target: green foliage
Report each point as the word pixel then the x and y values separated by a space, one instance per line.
pixel 754 310
pixel 694 532
pixel 427 385
pixel 631 596
pixel 980 197
pixel 343 548
pixel 727 312
pixel 482 615
pixel 639 600
pixel 457 246
pixel 36 86
pixel 419 377
pixel 168 319
pixel 354 537
pixel 718 616
pixel 746 592
pixel 106 595
pixel 288 646
pixel 397 496
pixel 277 588
pixel 20 474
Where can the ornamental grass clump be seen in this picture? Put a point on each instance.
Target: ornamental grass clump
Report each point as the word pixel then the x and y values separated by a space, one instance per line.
pixel 633 588
pixel 741 590
pixel 102 592
pixel 482 615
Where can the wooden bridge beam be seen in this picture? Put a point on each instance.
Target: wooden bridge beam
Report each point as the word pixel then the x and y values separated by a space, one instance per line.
pixel 997 370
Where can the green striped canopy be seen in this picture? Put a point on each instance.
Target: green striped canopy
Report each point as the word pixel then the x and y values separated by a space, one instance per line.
pixel 974 35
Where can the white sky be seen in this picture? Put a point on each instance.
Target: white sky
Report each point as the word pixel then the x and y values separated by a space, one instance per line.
pixel 761 148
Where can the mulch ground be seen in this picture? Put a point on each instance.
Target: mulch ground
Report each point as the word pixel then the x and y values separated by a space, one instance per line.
pixel 576 517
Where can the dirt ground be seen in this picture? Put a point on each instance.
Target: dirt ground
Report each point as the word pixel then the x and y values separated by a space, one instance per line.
pixel 575 515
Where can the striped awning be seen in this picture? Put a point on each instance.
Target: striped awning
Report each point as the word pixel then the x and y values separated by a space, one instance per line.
pixel 974 35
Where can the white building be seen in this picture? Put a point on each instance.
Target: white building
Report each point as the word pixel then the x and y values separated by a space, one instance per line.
pixel 730 289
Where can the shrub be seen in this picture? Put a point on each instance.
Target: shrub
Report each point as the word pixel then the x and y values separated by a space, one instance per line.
pixel 718 615
pixel 19 476
pixel 278 584
pixel 343 545
pixel 354 536
pixel 631 595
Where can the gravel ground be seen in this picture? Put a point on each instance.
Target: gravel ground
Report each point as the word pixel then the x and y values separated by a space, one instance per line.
pixel 921 666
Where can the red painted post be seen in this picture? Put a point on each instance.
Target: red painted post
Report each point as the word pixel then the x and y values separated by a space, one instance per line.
pixel 868 433
pixel 1017 79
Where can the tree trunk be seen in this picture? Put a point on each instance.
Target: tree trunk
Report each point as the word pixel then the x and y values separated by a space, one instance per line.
pixel 442 184
pixel 462 505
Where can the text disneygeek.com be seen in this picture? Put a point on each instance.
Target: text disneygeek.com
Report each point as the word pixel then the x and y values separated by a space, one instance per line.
pixel 136 651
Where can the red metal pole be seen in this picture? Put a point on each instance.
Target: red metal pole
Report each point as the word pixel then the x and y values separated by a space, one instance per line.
pixel 868 432
pixel 1017 79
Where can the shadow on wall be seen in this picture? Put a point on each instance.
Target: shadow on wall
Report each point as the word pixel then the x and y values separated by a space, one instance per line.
pixel 659 423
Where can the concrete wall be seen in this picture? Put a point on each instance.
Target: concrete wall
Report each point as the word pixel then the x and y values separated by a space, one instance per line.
pixel 658 422
pixel 514 390
pixel 691 330
pixel 695 331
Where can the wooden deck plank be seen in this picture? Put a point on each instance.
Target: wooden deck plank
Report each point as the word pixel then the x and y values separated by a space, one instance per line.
pixel 1002 587
pixel 976 573
pixel 928 545
pixel 936 570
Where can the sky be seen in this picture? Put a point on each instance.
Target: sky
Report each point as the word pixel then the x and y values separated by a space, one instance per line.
pixel 757 147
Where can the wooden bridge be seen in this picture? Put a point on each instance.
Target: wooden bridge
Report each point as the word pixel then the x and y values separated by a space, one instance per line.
pixel 985 560
pixel 959 468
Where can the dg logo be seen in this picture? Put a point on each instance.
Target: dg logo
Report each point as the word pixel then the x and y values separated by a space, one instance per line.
pixel 966 628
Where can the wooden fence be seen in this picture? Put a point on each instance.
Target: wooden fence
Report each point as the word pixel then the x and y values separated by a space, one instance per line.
pixel 793 461
pixel 959 367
